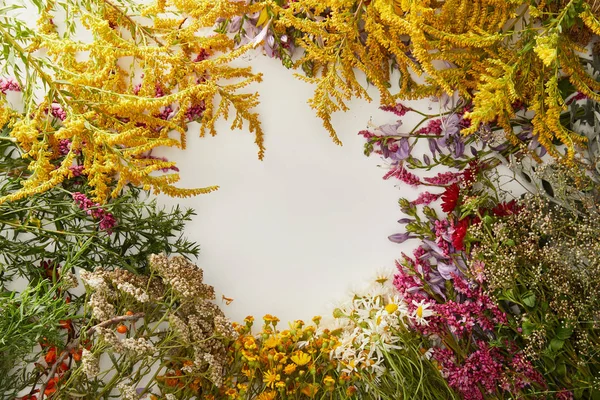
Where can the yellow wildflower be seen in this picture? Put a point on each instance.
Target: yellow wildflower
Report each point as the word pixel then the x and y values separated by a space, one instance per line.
pixel 289 369
pixel 268 395
pixel 250 343
pixel 301 358
pixel 270 378
pixel 280 385
pixel 270 319
pixel 328 381
pixel 271 342
pixel 310 390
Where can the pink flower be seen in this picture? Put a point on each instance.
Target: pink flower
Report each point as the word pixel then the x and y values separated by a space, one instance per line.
pixel 195 111
pixel 203 55
pixel 444 178
pixel 9 85
pixel 426 198
pixel 434 127
pixel 57 111
pixel 402 174
pixel 399 109
pixel 76 170
pixel 107 220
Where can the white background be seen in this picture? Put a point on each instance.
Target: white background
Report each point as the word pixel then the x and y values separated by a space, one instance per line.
pixel 293 234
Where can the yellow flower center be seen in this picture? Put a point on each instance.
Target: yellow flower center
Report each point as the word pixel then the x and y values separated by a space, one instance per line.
pixel 391 308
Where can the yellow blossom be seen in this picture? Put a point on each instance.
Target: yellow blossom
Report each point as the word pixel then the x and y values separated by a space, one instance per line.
pixel 270 378
pixel 301 358
pixel 267 395
pixel 310 390
pixel 289 369
pixel 391 308
pixel 328 381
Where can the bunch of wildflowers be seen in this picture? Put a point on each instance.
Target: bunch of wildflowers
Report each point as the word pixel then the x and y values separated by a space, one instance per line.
pixel 378 349
pixel 135 325
pixel 290 363
pixel 464 325
pixel 101 117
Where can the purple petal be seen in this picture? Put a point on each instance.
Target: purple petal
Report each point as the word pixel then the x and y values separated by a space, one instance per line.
pixel 459 148
pixel 399 237
pixel 235 24
pixel 403 150
pixel 433 146
pixel 446 270
pixel 390 129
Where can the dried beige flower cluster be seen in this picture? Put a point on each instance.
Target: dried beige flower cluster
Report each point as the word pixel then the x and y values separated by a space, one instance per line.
pixel 198 321
pixel 180 321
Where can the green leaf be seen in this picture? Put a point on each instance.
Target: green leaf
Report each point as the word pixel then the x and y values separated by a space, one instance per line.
pixel 528 328
pixel 561 369
pixel 563 333
pixel 549 364
pixel 556 344
pixel 528 299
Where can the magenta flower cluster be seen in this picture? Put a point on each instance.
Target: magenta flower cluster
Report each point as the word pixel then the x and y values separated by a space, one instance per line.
pixel 9 85
pixel 107 220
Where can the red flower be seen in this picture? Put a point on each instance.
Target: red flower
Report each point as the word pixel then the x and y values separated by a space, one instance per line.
pixel 459 232
pixel 51 386
pixel 66 324
pixel 505 209
pixel 470 173
pixel 450 198
pixel 30 396
pixel 50 356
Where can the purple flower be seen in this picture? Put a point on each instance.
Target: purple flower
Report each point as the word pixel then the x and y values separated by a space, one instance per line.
pixel 452 138
pixel 434 146
pixel 403 150
pixel 400 237
pixel 390 129
pixel 447 270
pixel 235 24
